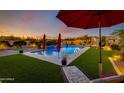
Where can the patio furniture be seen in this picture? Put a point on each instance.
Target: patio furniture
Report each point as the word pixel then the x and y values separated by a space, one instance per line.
pixel 20 51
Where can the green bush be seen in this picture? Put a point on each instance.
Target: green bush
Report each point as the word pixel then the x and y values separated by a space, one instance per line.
pixel 51 42
pixel 115 47
pixel 39 44
pixel 5 43
pixel 19 43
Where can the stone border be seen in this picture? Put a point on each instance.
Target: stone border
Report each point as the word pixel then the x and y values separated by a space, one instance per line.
pixel 115 67
pixel 56 60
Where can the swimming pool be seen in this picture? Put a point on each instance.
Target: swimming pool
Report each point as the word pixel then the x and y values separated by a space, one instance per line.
pixel 51 51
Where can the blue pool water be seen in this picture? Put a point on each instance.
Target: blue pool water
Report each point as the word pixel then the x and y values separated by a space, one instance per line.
pixel 51 51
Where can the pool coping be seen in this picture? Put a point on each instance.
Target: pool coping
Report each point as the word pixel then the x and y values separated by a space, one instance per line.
pixel 56 60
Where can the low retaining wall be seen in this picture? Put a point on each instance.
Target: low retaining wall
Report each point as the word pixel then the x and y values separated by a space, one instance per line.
pixel 111 79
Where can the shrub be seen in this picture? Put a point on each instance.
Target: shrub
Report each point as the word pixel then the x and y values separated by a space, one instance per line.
pixel 3 46
pixel 51 42
pixel 6 43
pixel 115 47
pixel 38 45
pixel 19 43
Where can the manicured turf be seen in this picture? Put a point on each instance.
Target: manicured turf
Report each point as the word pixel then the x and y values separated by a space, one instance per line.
pixel 88 62
pixel 26 69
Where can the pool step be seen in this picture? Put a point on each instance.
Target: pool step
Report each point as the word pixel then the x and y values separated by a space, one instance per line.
pixel 73 75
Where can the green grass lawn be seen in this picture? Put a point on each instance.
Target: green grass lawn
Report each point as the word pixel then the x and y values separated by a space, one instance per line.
pixel 88 62
pixel 26 69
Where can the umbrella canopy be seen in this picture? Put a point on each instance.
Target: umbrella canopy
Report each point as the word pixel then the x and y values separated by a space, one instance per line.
pixel 88 19
pixel 59 43
pixel 44 42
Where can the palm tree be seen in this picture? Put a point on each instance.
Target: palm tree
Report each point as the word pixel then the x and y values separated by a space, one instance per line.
pixel 120 33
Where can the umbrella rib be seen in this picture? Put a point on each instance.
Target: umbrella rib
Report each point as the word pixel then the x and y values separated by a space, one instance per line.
pixel 77 19
pixel 89 21
pixel 66 14
pixel 107 19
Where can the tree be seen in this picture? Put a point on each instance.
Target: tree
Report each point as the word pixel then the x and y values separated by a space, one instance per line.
pixel 5 43
pixel 87 39
pixel 39 44
pixel 19 43
pixel 51 42
pixel 103 41
pixel 120 33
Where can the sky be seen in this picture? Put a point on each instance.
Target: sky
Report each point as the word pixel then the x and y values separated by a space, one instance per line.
pixel 39 22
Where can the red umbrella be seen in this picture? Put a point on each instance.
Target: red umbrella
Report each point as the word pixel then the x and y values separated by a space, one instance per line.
pixel 44 42
pixel 87 19
pixel 59 43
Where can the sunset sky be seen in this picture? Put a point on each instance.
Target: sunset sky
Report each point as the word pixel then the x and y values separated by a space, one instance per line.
pixel 36 23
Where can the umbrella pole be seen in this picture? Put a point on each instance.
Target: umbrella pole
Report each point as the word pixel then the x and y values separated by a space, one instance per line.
pixel 100 49
pixel 58 54
pixel 43 52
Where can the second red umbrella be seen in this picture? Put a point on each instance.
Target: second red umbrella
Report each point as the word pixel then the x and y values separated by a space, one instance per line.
pixel 44 42
pixel 59 43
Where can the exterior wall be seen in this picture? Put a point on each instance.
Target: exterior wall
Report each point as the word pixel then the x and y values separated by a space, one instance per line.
pixel 110 39
pixel 75 42
pixel 94 41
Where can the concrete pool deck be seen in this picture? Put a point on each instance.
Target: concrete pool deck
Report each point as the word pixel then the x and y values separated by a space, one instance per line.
pixel 8 52
pixel 56 60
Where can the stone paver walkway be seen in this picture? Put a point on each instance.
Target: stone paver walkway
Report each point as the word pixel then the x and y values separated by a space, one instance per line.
pixel 74 75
